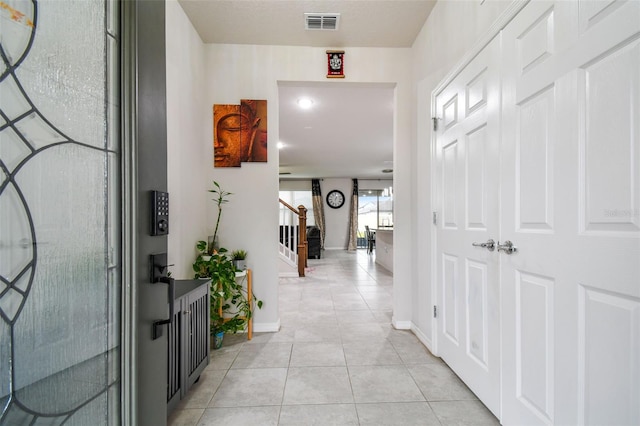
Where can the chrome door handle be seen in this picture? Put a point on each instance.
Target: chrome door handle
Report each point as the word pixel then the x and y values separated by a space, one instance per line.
pixel 489 245
pixel 507 247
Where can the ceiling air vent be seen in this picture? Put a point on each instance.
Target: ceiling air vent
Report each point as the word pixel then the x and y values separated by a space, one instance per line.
pixel 321 21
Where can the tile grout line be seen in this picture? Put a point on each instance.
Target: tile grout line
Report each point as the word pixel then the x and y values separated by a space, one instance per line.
pixel 344 285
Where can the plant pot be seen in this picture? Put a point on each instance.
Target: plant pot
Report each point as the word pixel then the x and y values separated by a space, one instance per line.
pixel 216 339
pixel 240 264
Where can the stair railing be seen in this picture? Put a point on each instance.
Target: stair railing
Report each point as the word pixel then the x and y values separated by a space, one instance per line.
pixel 293 243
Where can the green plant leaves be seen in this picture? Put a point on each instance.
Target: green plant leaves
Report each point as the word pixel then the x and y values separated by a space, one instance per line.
pixel 227 293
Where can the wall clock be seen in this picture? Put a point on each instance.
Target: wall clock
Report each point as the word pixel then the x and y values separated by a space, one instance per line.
pixel 335 199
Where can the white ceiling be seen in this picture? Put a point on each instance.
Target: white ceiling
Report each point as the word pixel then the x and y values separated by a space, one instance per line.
pixel 349 131
pixel 363 23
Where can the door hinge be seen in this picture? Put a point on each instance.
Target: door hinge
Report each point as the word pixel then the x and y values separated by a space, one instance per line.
pixel 435 311
pixel 435 123
pixel 435 218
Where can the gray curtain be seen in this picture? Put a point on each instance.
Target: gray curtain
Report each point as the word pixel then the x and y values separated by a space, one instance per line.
pixel 353 218
pixel 318 209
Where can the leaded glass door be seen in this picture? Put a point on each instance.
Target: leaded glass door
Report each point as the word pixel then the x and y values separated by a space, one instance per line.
pixel 59 213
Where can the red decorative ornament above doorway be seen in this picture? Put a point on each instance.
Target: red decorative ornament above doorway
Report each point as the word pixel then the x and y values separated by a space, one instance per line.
pixel 335 63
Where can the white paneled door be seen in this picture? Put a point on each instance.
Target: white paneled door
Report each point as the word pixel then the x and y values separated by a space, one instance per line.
pixel 467 168
pixel 541 147
pixel 570 189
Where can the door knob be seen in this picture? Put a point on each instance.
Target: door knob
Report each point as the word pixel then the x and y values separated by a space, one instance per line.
pixel 489 245
pixel 507 247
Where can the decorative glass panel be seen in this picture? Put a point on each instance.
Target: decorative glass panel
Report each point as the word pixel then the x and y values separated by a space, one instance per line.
pixel 59 213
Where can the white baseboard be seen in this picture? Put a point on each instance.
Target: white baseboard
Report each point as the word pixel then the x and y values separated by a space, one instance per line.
pixel 422 337
pixel 401 325
pixel 266 327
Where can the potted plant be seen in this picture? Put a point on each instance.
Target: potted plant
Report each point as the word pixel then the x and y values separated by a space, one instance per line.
pixel 239 259
pixel 230 307
pixel 230 304
pixel 220 269
pixel 220 199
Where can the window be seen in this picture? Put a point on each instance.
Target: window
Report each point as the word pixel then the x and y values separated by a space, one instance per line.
pixel 375 210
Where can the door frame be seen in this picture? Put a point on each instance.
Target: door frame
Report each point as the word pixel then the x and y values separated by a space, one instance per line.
pixel 128 173
pixel 143 168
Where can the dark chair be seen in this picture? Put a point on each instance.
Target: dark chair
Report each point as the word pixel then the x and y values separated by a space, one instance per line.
pixel 313 241
pixel 371 239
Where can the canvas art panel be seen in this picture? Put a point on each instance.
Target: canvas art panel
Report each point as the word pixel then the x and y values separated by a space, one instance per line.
pixel 240 133
pixel 254 143
pixel 226 135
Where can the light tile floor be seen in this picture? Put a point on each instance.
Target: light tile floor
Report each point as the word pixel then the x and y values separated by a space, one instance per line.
pixel 335 361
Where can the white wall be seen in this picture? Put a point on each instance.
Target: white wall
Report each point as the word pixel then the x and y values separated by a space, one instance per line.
pixel 243 71
pixel 378 184
pixel 190 217
pixel 295 185
pixel 202 75
pixel 363 184
pixel 451 30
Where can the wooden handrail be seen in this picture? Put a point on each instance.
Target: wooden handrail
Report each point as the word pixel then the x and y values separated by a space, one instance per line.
pixel 289 206
pixel 303 244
